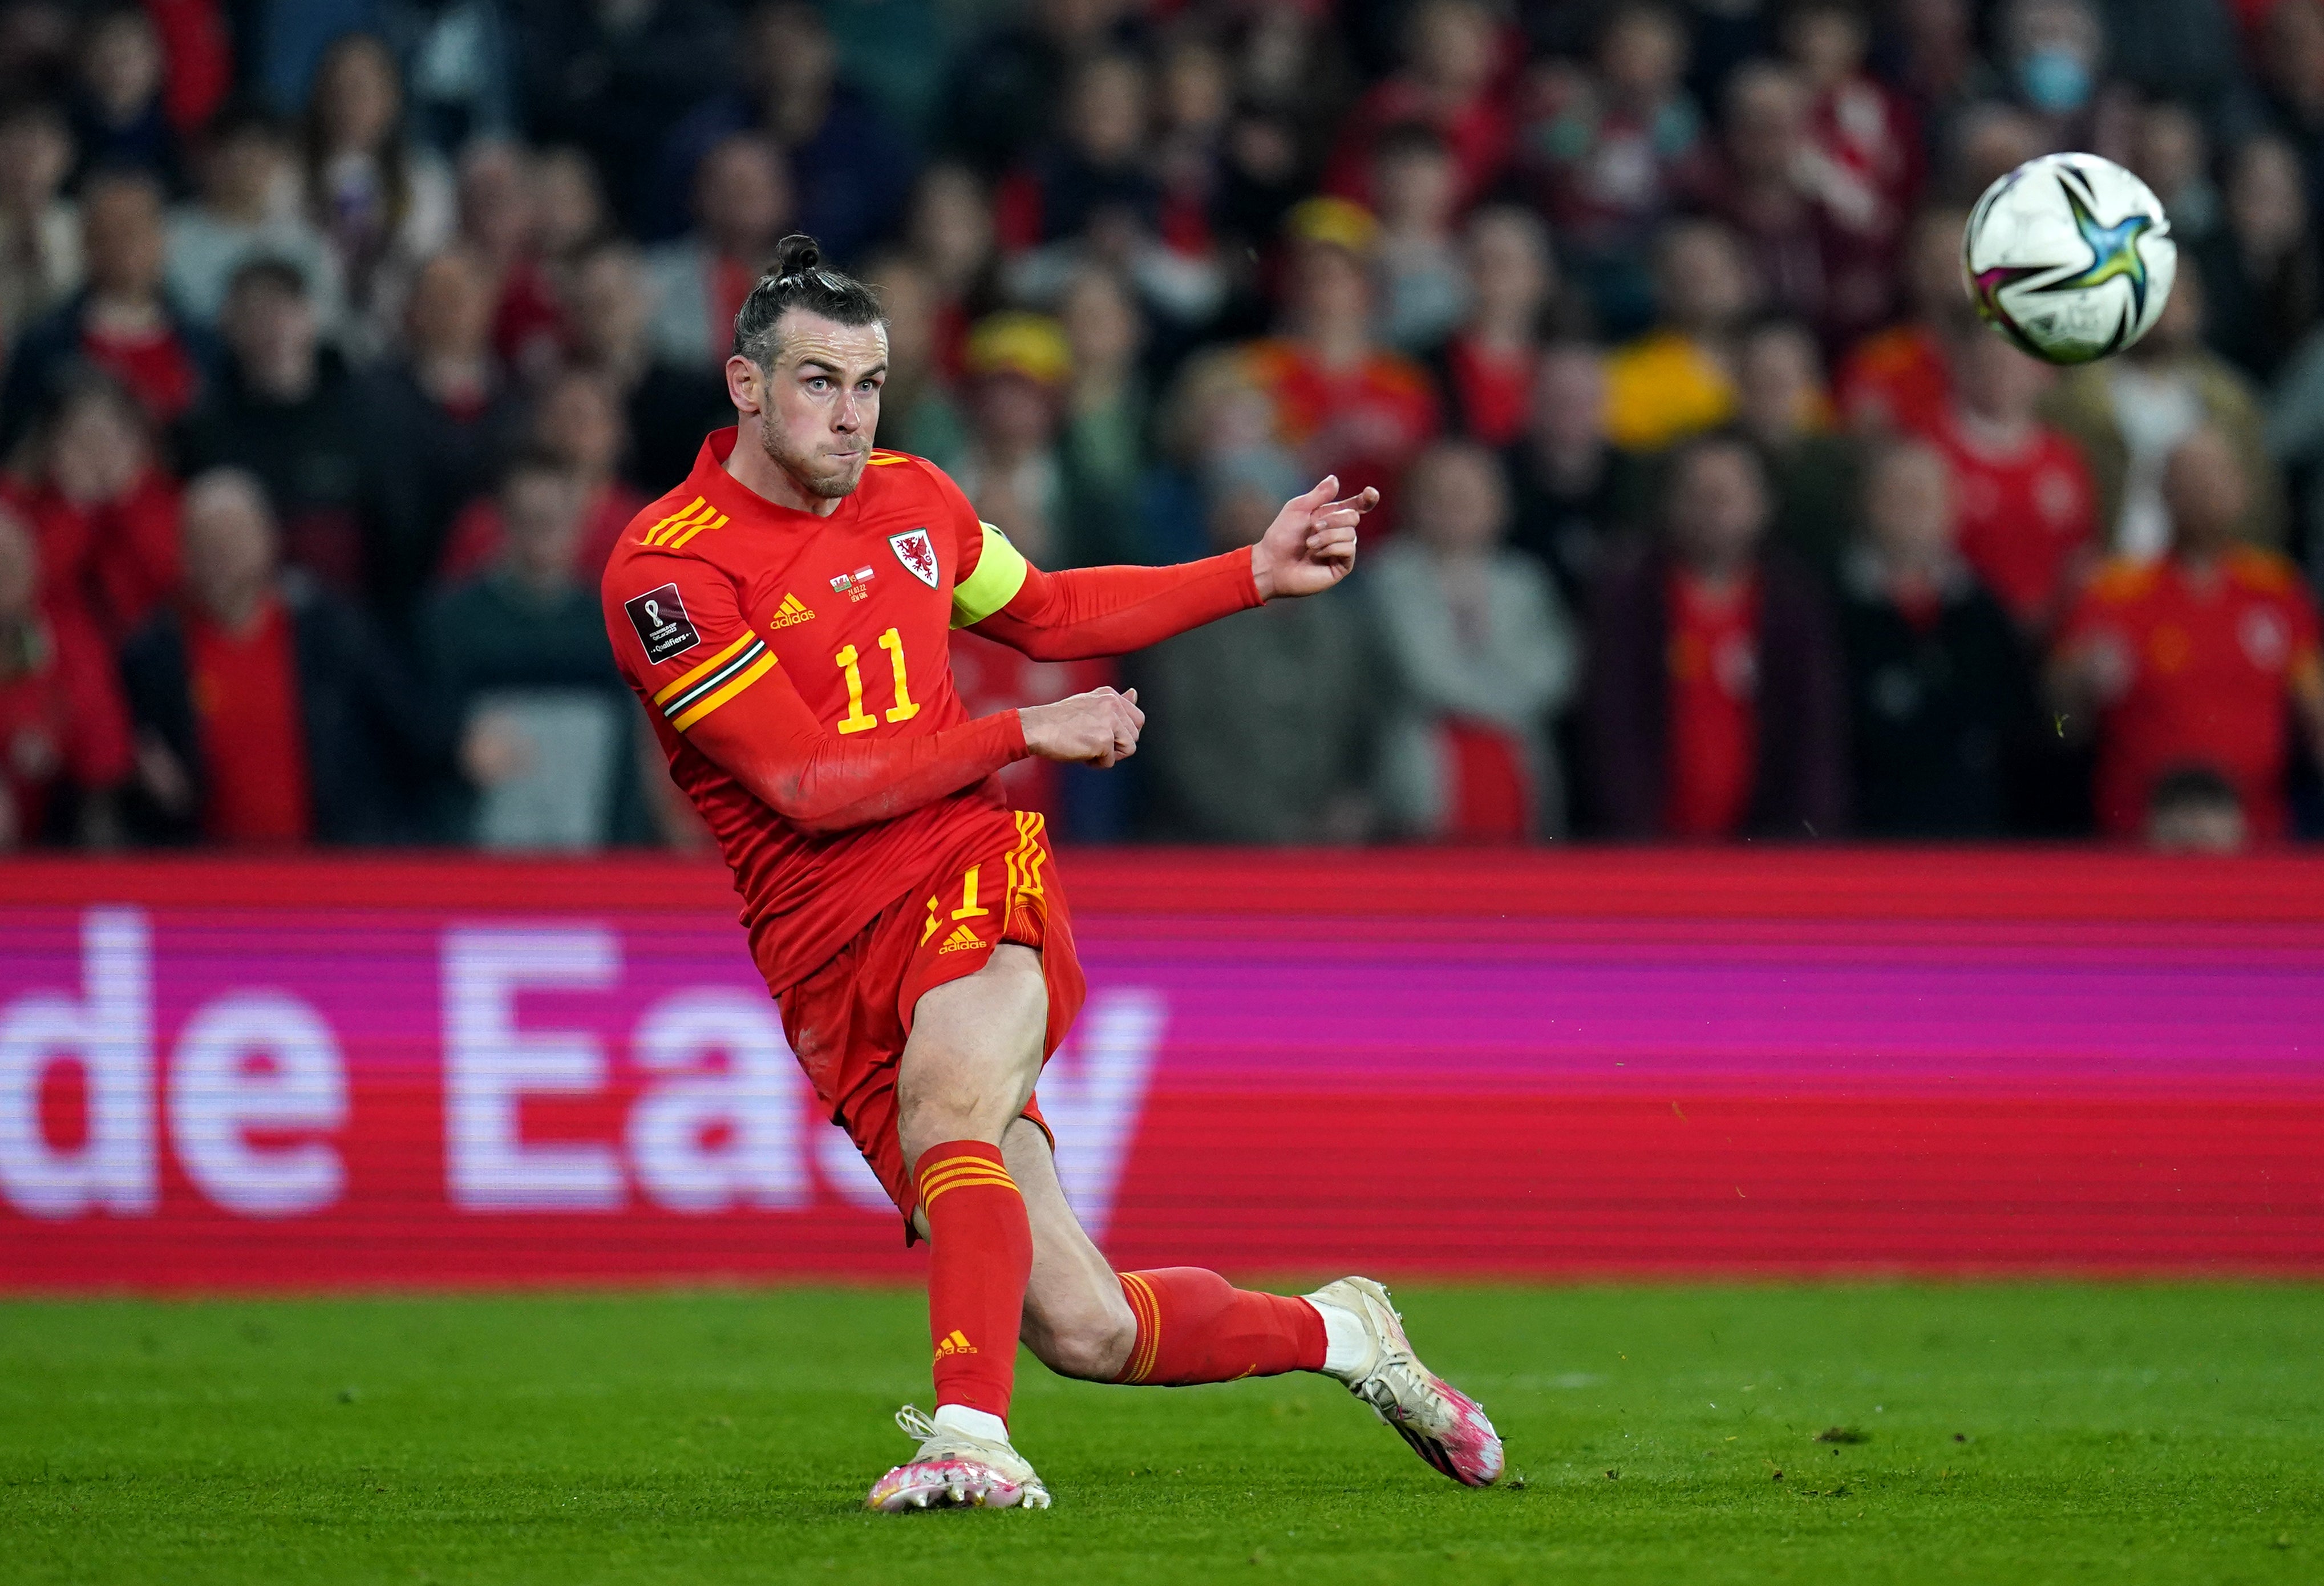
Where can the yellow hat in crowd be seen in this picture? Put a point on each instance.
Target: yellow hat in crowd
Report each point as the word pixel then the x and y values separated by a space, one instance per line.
pixel 1031 345
pixel 1334 222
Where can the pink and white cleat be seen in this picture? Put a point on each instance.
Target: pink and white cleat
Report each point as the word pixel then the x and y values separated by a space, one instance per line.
pixel 1445 1426
pixel 955 1470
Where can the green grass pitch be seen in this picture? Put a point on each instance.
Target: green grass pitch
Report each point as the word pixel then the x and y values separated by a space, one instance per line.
pixel 2004 1433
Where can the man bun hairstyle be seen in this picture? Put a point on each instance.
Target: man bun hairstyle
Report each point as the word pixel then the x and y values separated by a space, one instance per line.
pixel 798 279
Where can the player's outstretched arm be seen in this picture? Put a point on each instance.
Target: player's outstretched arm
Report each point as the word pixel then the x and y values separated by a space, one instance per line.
pixel 1092 612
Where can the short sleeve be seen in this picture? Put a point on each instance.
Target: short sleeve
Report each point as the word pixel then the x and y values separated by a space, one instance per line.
pixel 680 637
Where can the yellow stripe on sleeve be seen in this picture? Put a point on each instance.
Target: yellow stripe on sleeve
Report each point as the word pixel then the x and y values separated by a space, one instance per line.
pixel 757 670
pixel 1000 574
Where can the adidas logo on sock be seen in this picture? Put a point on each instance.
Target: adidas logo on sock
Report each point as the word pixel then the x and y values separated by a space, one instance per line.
pixel 956 1344
pixel 790 614
pixel 962 939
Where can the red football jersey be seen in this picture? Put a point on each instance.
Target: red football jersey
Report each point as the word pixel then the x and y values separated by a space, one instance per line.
pixel 2024 515
pixel 2206 667
pixel 714 591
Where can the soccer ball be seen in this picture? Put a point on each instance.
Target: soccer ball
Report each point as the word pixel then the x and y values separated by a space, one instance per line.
pixel 2070 256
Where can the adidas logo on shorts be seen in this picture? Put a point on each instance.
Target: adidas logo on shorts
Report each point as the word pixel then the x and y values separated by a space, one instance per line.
pixel 962 939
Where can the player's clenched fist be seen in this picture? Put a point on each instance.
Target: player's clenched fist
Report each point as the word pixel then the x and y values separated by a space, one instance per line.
pixel 1099 727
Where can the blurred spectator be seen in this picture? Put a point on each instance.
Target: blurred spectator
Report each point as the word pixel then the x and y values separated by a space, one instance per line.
pixel 120 322
pixel 64 730
pixel 917 410
pixel 849 168
pixel 569 214
pixel 1261 725
pixel 742 204
pixel 520 664
pixel 247 208
pixel 1819 230
pixel 118 118
pixel 1935 64
pixel 1678 379
pixel 1423 288
pixel 1213 411
pixel 2052 52
pixel 2289 60
pixel 2129 412
pixel 1990 140
pixel 1486 368
pixel 576 433
pixel 2028 516
pixel 1107 407
pixel 1015 470
pixel 2173 156
pixel 1942 704
pixel 1716 704
pixel 950 235
pixel 1093 198
pixel 384 203
pixel 1455 82
pixel 1899 380
pixel 2195 810
pixel 2203 656
pixel 1573 493
pixel 102 509
pixel 1348 405
pixel 1480 656
pixel 613 77
pixel 40 231
pixel 456 57
pixel 1194 104
pixel 434 421
pixel 2184 50
pixel 1863 138
pixel 500 230
pixel 1614 151
pixel 265 713
pixel 668 408
pixel 898 52
pixel 1782 408
pixel 283 410
pixel 1003 97
pixel 2260 282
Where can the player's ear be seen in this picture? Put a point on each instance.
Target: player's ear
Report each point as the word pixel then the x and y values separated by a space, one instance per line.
pixel 746 384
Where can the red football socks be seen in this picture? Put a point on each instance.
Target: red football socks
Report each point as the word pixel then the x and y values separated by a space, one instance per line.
pixel 1195 1327
pixel 980 1259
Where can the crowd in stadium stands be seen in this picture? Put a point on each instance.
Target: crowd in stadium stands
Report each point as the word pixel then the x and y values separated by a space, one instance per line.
pixel 341 338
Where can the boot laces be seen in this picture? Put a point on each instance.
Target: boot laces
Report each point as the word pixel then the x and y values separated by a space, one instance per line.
pixel 914 1424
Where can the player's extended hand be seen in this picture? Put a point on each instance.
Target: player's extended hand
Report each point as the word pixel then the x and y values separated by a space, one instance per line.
pixel 1097 728
pixel 1311 543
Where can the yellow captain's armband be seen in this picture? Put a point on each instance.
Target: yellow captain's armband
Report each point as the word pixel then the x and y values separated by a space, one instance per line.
pixel 1000 574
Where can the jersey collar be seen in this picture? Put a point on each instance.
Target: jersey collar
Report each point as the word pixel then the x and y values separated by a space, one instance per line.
pixel 737 500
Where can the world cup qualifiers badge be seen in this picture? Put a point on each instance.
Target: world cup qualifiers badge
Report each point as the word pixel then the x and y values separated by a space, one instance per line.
pixel 663 627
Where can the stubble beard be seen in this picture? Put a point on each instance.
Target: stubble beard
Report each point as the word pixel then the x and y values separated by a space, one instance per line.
pixel 814 474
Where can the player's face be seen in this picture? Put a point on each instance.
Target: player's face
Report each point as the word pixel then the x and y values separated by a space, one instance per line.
pixel 819 402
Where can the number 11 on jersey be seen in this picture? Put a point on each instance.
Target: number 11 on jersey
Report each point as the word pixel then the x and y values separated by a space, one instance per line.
pixel 858 719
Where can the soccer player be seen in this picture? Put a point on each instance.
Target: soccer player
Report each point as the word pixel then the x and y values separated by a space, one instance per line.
pixel 784 614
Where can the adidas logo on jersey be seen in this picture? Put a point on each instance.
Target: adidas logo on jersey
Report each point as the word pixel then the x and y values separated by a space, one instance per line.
pixel 956 1344
pixel 790 614
pixel 962 939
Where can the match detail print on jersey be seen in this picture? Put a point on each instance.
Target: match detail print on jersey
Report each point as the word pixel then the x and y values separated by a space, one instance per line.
pixel 917 552
pixel 998 574
pixel 663 627
pixel 715 681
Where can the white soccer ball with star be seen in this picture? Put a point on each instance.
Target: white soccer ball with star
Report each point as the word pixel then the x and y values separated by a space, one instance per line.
pixel 2070 256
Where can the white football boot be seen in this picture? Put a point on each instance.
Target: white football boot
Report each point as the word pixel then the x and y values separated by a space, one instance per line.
pixel 954 1469
pixel 1445 1426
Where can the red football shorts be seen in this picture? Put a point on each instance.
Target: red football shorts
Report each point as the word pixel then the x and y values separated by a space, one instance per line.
pixel 849 1020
